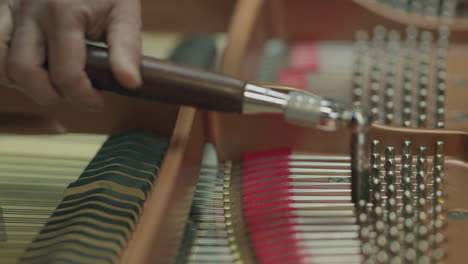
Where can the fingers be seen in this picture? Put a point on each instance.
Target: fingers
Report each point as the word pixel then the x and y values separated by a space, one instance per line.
pixel 6 30
pixel 67 58
pixel 60 27
pixel 25 62
pixel 124 41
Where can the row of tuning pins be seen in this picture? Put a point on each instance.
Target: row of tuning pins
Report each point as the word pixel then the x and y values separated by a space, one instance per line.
pixel 401 82
pixel 402 222
pixel 429 8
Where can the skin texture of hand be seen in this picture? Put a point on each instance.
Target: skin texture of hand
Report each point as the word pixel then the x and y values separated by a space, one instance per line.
pixel 33 31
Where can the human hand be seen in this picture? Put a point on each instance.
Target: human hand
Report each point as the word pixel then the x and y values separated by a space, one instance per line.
pixel 6 30
pixel 56 31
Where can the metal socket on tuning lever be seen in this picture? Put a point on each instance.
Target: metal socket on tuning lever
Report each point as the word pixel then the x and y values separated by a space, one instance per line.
pixel 297 107
pixel 306 109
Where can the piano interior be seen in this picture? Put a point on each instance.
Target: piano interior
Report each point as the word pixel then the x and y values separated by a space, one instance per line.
pixel 148 182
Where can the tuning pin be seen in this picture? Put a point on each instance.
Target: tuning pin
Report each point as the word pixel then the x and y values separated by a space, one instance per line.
pixel 396 260
pixel 437 184
pixel 361 35
pixel 374 98
pixel 444 32
pixel 421 168
pixel 437 218
pixel 391 204
pixel 407 75
pixel 375 173
pixel 440 105
pixel 382 256
pixel 426 36
pixel 367 250
pixel 402 4
pixel 407 195
pixel 378 213
pixel 378 43
pixel 440 78
pixel 390 78
pixel 421 229
pixel 448 9
pixel 441 52
pixel 421 249
pixel 407 157
pixel 421 164
pixel 439 154
pixel 437 254
pixel 375 153
pixel 359 66
pixel 408 228
pixel 365 230
pixel 417 7
pixel 358 83
pixel 423 80
pixel 422 120
pixel 406 103
pixel 410 255
pixel 422 101
pixel 412 32
pixel 389 105
pixel 432 8
pixel 375 147
pixel 379 31
pixel 394 37
pixel 390 165
pixel 407 122
pixel 394 250
pixel 362 206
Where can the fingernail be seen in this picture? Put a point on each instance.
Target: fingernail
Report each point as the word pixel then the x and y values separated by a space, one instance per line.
pixel 138 81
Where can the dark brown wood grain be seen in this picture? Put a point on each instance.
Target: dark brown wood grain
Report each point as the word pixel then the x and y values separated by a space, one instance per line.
pixel 169 82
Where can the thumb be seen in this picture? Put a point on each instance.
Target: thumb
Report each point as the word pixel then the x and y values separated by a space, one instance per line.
pixel 6 31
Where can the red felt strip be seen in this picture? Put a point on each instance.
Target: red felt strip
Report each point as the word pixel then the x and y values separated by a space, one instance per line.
pixel 270 218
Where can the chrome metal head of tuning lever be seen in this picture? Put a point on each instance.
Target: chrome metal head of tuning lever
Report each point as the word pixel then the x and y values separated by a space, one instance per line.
pixel 300 108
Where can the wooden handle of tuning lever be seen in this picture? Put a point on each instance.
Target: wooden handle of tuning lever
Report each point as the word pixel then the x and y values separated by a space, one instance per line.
pixel 169 82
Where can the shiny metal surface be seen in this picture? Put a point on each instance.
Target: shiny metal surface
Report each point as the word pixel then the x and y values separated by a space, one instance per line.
pixel 259 100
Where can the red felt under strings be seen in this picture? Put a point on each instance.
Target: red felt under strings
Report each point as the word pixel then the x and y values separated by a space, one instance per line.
pixel 271 220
